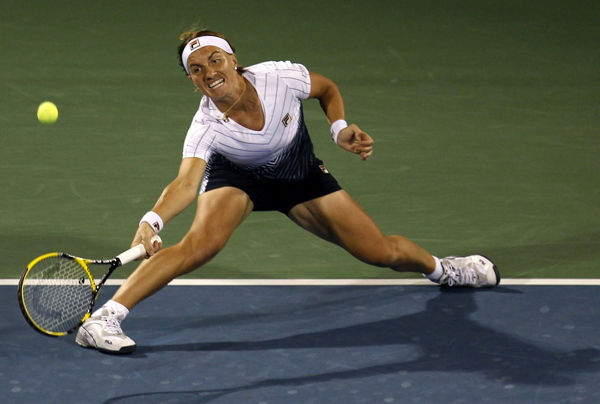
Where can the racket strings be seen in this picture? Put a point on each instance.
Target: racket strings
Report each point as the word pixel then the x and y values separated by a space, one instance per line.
pixel 57 294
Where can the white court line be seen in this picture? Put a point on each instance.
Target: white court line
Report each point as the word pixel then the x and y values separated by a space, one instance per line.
pixel 342 282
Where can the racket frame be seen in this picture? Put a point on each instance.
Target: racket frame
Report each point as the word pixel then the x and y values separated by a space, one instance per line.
pixel 121 259
pixel 83 262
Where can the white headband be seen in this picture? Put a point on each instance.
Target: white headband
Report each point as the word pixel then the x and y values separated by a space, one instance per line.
pixel 201 42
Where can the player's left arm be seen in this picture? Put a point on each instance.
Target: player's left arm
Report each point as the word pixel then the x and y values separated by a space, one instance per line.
pixel 351 138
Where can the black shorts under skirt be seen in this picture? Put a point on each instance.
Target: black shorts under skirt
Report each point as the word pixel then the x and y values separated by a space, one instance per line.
pixel 268 194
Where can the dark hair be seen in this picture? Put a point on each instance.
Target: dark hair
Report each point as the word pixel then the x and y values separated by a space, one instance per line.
pixel 187 36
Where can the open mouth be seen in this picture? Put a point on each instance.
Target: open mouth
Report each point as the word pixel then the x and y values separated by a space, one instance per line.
pixel 216 84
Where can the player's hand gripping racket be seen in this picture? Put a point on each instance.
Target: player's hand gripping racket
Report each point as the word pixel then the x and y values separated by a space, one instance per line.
pixel 57 291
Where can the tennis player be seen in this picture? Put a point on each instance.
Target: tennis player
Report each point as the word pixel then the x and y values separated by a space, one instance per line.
pixel 248 149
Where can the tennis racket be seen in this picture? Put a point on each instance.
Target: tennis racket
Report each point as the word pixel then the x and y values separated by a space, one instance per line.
pixel 57 291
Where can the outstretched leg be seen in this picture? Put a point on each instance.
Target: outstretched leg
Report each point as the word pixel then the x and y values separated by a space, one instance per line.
pixel 219 213
pixel 339 219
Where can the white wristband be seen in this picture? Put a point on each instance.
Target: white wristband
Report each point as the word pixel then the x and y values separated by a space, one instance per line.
pixel 336 127
pixel 154 220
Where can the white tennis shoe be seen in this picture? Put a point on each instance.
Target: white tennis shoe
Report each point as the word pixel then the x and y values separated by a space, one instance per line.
pixel 474 271
pixel 103 332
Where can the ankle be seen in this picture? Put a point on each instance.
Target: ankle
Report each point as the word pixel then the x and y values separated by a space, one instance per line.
pixel 120 311
pixel 437 273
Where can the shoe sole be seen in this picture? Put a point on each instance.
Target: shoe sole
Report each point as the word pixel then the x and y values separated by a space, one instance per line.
pixel 123 351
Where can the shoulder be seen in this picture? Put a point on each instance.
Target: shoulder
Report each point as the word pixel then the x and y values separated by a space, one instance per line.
pixel 278 67
pixel 294 75
pixel 200 140
pixel 205 120
pixel 207 113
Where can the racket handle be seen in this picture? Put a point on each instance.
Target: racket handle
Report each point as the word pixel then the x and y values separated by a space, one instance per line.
pixel 135 252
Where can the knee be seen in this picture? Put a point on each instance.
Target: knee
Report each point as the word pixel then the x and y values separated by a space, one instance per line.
pixel 197 251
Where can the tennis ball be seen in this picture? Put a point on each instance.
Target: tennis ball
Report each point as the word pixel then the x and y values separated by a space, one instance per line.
pixel 47 112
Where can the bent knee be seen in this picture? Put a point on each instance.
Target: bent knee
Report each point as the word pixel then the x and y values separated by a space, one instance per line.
pixel 196 252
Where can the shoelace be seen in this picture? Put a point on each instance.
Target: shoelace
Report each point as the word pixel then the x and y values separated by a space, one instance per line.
pixel 113 325
pixel 461 276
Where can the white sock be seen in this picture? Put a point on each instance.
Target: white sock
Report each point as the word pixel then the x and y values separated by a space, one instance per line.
pixel 437 272
pixel 119 310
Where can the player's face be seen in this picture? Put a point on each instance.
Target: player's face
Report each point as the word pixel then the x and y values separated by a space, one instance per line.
pixel 212 70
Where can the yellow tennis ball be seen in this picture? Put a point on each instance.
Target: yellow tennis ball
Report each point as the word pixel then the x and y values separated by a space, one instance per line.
pixel 47 112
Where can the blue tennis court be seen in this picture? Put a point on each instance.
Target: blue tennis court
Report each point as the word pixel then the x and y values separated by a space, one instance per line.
pixel 323 344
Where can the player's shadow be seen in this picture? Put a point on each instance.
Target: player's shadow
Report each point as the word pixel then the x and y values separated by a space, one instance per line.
pixel 444 335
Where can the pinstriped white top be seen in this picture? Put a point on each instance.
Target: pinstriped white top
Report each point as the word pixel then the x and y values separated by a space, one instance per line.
pixel 282 149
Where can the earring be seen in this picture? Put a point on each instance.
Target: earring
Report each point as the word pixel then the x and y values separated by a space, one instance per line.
pixel 235 68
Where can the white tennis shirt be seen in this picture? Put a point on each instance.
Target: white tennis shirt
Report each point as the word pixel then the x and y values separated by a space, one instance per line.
pixel 282 149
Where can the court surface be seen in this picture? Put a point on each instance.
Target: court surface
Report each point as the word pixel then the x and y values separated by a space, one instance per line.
pixel 486 121
pixel 322 344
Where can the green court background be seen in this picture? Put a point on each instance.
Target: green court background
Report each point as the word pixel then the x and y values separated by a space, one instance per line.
pixel 485 114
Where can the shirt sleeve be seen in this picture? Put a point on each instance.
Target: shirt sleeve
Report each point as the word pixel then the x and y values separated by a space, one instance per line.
pixel 199 141
pixel 295 75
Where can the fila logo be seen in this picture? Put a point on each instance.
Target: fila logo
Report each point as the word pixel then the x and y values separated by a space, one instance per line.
pixel 194 44
pixel 286 120
pixel 107 341
pixel 322 167
pixel 156 226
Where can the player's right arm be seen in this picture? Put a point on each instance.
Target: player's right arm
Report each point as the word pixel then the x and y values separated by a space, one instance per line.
pixel 177 196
